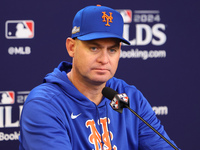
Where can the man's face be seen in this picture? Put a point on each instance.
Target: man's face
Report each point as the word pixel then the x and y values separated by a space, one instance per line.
pixel 95 61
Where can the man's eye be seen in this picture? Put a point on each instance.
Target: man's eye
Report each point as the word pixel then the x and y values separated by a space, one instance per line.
pixel 93 48
pixel 113 50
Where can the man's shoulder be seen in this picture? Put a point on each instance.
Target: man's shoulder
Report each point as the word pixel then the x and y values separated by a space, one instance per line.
pixel 44 91
pixel 120 85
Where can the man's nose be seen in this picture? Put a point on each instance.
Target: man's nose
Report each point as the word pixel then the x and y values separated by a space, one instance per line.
pixel 103 57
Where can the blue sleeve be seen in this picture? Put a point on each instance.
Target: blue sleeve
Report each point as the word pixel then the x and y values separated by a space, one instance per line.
pixel 148 139
pixel 42 128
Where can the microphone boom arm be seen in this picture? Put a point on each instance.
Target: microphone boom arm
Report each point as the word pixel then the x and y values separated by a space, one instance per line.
pixel 151 127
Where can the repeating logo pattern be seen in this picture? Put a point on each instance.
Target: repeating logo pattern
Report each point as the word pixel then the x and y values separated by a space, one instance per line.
pixel 143 28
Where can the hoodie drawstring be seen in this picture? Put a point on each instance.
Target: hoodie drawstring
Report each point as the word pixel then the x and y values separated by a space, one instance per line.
pixel 99 124
pixel 100 128
pixel 108 127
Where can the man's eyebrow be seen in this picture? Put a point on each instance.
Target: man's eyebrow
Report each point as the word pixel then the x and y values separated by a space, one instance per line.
pixel 93 43
pixel 117 44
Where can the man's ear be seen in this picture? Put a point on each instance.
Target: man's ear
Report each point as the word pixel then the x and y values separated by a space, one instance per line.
pixel 70 46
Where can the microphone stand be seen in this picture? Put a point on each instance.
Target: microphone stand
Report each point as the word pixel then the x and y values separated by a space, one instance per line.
pixel 151 127
pixel 120 101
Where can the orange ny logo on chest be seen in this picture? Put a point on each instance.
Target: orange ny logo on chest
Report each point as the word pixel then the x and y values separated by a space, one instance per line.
pixel 97 138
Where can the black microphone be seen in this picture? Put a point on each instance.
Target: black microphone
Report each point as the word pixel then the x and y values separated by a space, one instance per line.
pixel 120 101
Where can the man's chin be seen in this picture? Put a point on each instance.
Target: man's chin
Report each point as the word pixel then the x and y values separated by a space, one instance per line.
pixel 101 80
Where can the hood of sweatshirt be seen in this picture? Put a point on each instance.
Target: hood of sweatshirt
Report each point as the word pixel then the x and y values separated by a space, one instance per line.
pixel 59 77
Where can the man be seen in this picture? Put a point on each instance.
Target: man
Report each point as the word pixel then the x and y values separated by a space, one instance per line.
pixel 69 112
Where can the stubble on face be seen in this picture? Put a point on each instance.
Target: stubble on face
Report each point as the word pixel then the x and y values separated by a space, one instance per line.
pixel 96 61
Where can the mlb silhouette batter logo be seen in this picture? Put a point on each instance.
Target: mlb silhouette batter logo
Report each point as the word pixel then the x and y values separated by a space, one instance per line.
pixel 7 97
pixel 123 97
pixel 126 15
pixel 96 138
pixel 19 29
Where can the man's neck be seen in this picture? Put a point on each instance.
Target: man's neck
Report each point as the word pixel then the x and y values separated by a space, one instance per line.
pixel 91 91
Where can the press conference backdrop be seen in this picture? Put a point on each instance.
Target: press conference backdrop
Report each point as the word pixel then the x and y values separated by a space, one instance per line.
pixel 162 60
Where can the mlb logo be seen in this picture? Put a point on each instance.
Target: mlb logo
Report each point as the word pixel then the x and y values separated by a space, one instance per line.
pixel 123 97
pixel 7 97
pixel 114 104
pixel 19 29
pixel 126 15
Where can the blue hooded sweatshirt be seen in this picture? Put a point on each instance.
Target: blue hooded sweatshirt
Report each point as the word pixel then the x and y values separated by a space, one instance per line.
pixel 56 116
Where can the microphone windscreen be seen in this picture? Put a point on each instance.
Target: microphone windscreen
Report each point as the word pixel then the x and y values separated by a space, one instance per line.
pixel 109 93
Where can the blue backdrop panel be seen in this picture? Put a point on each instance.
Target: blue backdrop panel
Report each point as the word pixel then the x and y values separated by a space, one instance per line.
pixel 162 60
